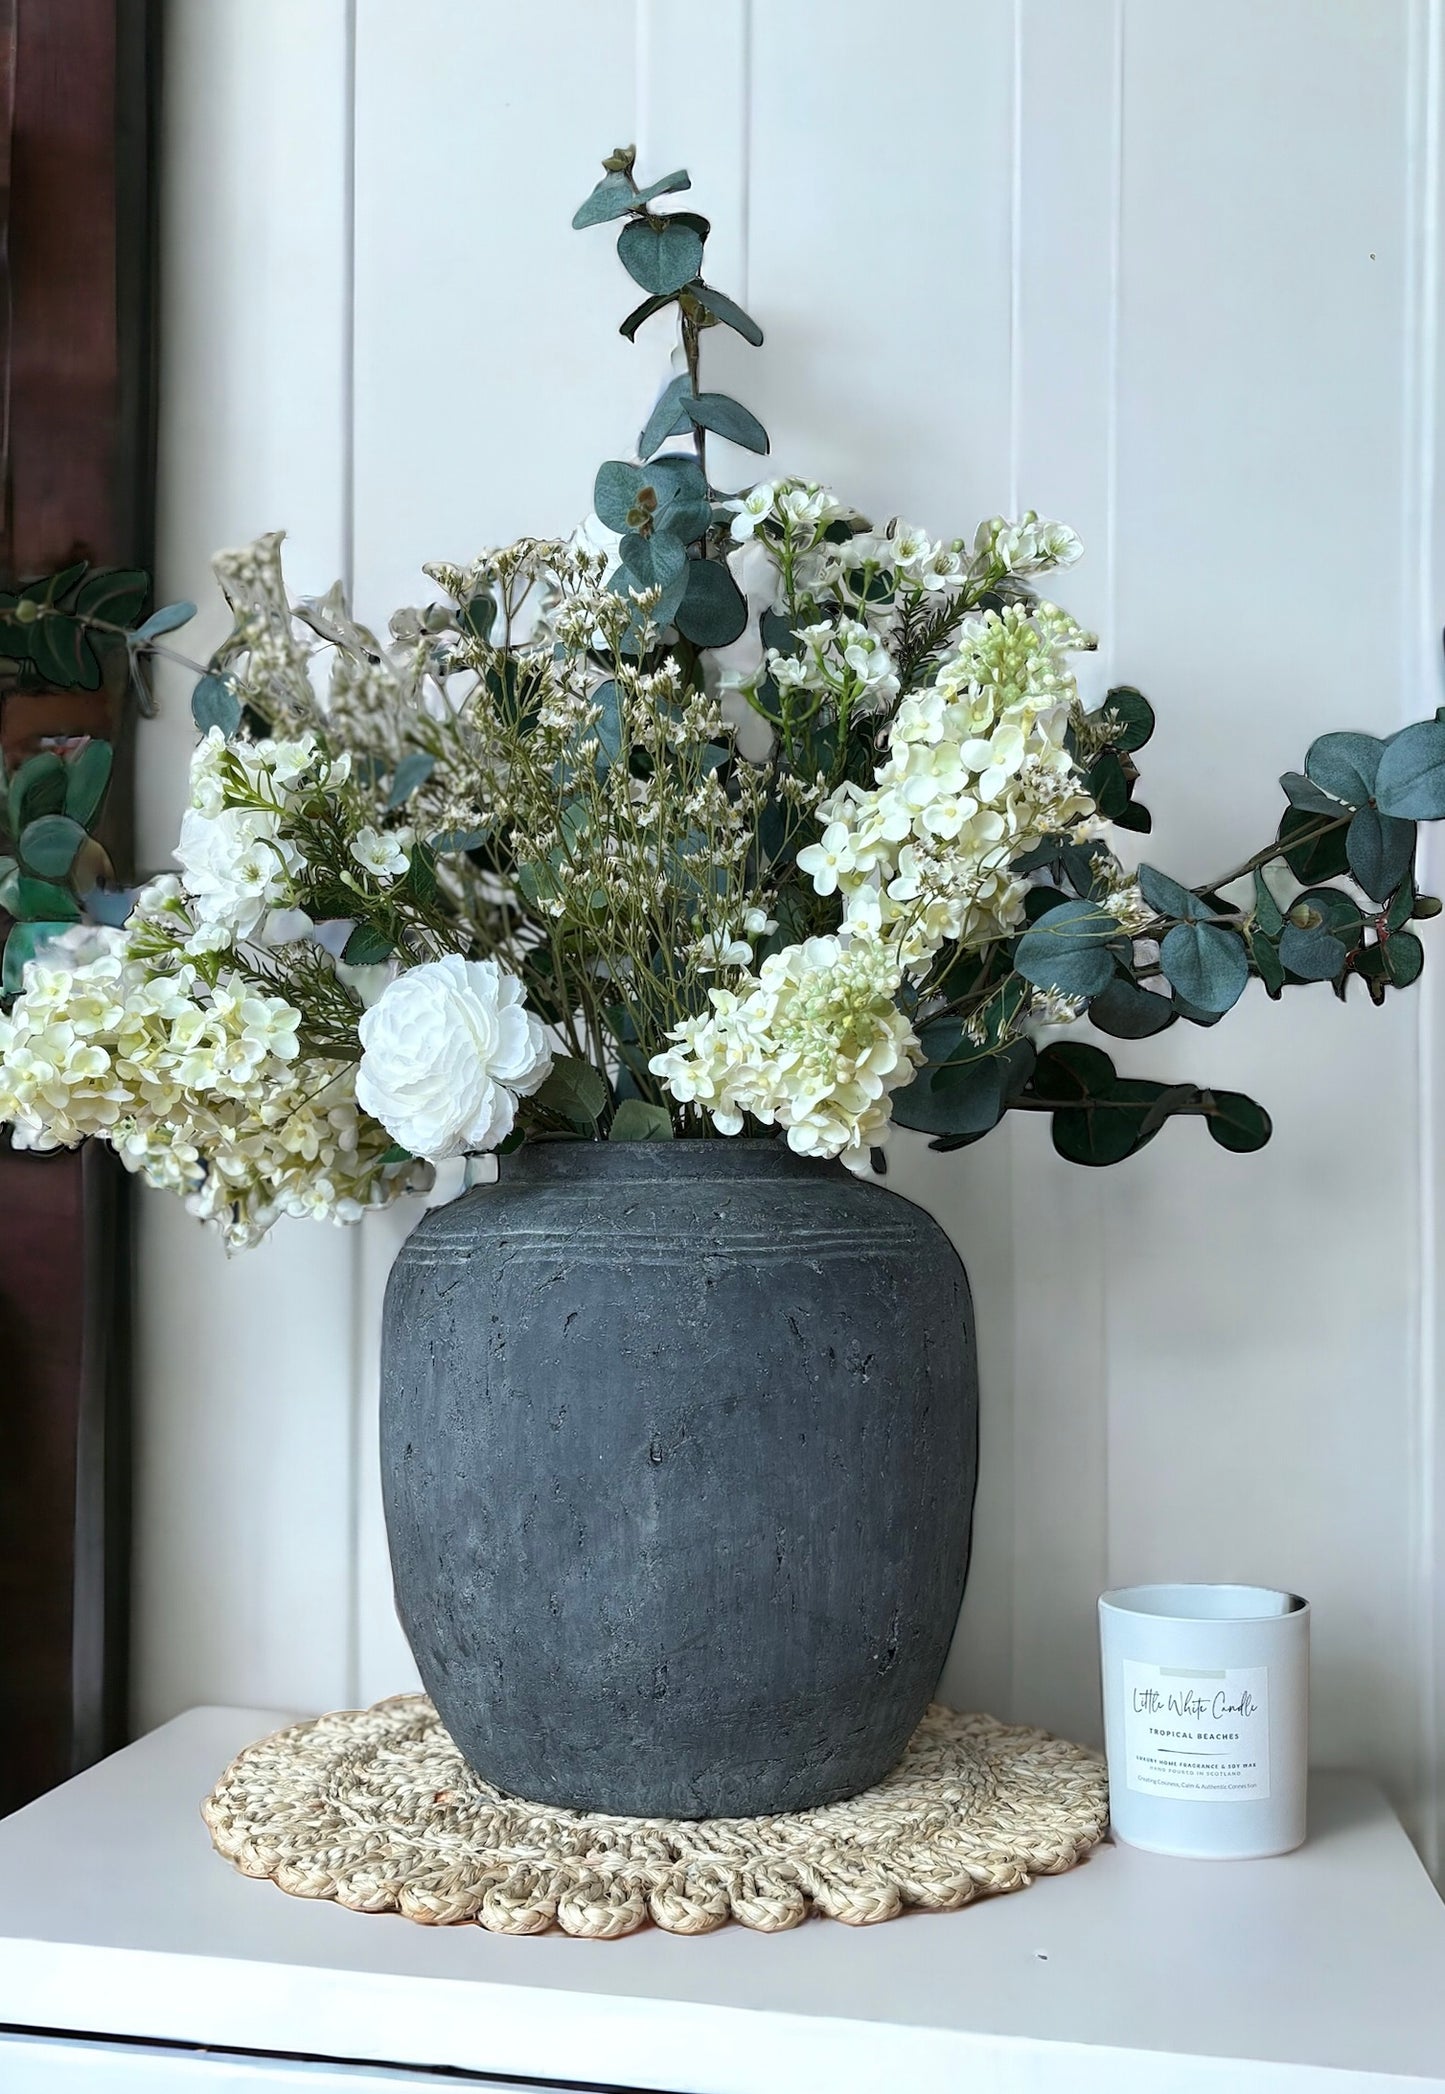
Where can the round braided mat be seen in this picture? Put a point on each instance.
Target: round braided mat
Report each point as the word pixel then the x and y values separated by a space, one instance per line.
pixel 377 1809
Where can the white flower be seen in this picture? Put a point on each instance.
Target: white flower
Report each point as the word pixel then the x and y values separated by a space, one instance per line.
pixel 448 1048
pixel 721 949
pixel 751 509
pixel 815 1046
pixel 830 859
pixel 235 867
pixel 381 854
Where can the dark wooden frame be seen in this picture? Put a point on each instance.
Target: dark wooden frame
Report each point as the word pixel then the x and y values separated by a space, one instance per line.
pixel 77 129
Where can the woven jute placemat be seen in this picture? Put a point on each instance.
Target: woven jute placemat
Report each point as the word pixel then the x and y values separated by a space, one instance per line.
pixel 377 1809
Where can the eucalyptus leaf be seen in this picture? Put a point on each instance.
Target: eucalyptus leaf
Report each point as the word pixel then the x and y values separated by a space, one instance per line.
pixel 966 1099
pixel 478 615
pixel 613 197
pixel 1303 793
pixel 215 704
pixel 87 775
pixel 1381 849
pixel 37 788
pixel 727 418
pixel 1410 781
pixel 49 845
pixel 615 494
pixel 1310 852
pixel 724 309
pixel 40 901
pixel 1315 955
pixel 24 942
pixel 1167 897
pixel 1346 765
pixel 168 619
pixel 653 563
pixel 660 254
pixel 1267 964
pixel 413 770
pixel 61 651
pixel 1127 1012
pixel 607 728
pixel 1134 714
pixel 1267 913
pixel 713 611
pixel 1207 964
pixel 1067 949
pixel 1404 958
pixel 1109 785
pixel 114 594
pixel 1236 1122
pixel 668 186
pixel 1070 1071
pixel 668 417
pixel 642 312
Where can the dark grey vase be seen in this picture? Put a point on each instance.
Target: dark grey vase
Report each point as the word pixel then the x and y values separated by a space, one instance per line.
pixel 678 1452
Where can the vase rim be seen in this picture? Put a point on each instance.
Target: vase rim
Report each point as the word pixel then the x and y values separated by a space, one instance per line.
pixel 723 1156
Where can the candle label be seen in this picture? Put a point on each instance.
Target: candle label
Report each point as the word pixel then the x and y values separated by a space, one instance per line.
pixel 1203 1736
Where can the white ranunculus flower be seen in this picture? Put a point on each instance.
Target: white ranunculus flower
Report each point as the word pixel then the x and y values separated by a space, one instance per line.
pixel 448 1048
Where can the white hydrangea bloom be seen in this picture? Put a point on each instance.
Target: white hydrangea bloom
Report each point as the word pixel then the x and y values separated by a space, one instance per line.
pixel 236 862
pixel 448 1048
pixel 201 1090
pixel 976 771
pixel 815 1045
pixel 237 868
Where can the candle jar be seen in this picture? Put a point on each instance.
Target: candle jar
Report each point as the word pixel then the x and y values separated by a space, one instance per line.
pixel 1206 1718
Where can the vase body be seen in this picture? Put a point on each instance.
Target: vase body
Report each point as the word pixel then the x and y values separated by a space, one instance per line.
pixel 678 1456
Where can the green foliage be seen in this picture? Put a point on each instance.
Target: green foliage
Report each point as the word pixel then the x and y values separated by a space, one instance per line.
pixel 1410 781
pixel 411 772
pixel 727 418
pixel 1346 766
pixel 713 610
pixel 49 845
pixel 1068 949
pixel 637 1121
pixel 574 1091
pixel 661 254
pixel 215 704
pixel 169 619
pixel 1206 963
pixel 87 776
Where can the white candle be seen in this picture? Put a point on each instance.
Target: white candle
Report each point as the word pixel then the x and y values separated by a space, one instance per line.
pixel 1206 1718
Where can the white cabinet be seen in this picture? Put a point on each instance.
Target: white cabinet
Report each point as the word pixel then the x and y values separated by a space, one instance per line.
pixel 121 1931
pixel 77 2065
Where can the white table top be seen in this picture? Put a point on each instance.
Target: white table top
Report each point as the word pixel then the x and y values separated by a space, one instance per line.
pixel 1131 1972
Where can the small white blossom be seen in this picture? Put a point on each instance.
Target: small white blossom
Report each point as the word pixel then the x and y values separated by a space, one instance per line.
pixel 380 853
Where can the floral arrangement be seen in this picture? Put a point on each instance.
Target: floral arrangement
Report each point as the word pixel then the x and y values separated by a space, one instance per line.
pixel 729 813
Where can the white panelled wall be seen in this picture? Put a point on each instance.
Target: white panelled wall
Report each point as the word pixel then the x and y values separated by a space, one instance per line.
pixel 1168 272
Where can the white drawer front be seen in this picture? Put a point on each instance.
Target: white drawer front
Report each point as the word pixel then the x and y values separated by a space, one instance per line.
pixel 75 2065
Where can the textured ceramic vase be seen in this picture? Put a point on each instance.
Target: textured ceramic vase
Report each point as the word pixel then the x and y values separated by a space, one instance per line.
pixel 679 1451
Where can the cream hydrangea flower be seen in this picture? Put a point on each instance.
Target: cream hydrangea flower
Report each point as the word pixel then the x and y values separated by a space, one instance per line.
pixel 814 1046
pixel 448 1048
pixel 200 1089
pixel 976 772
